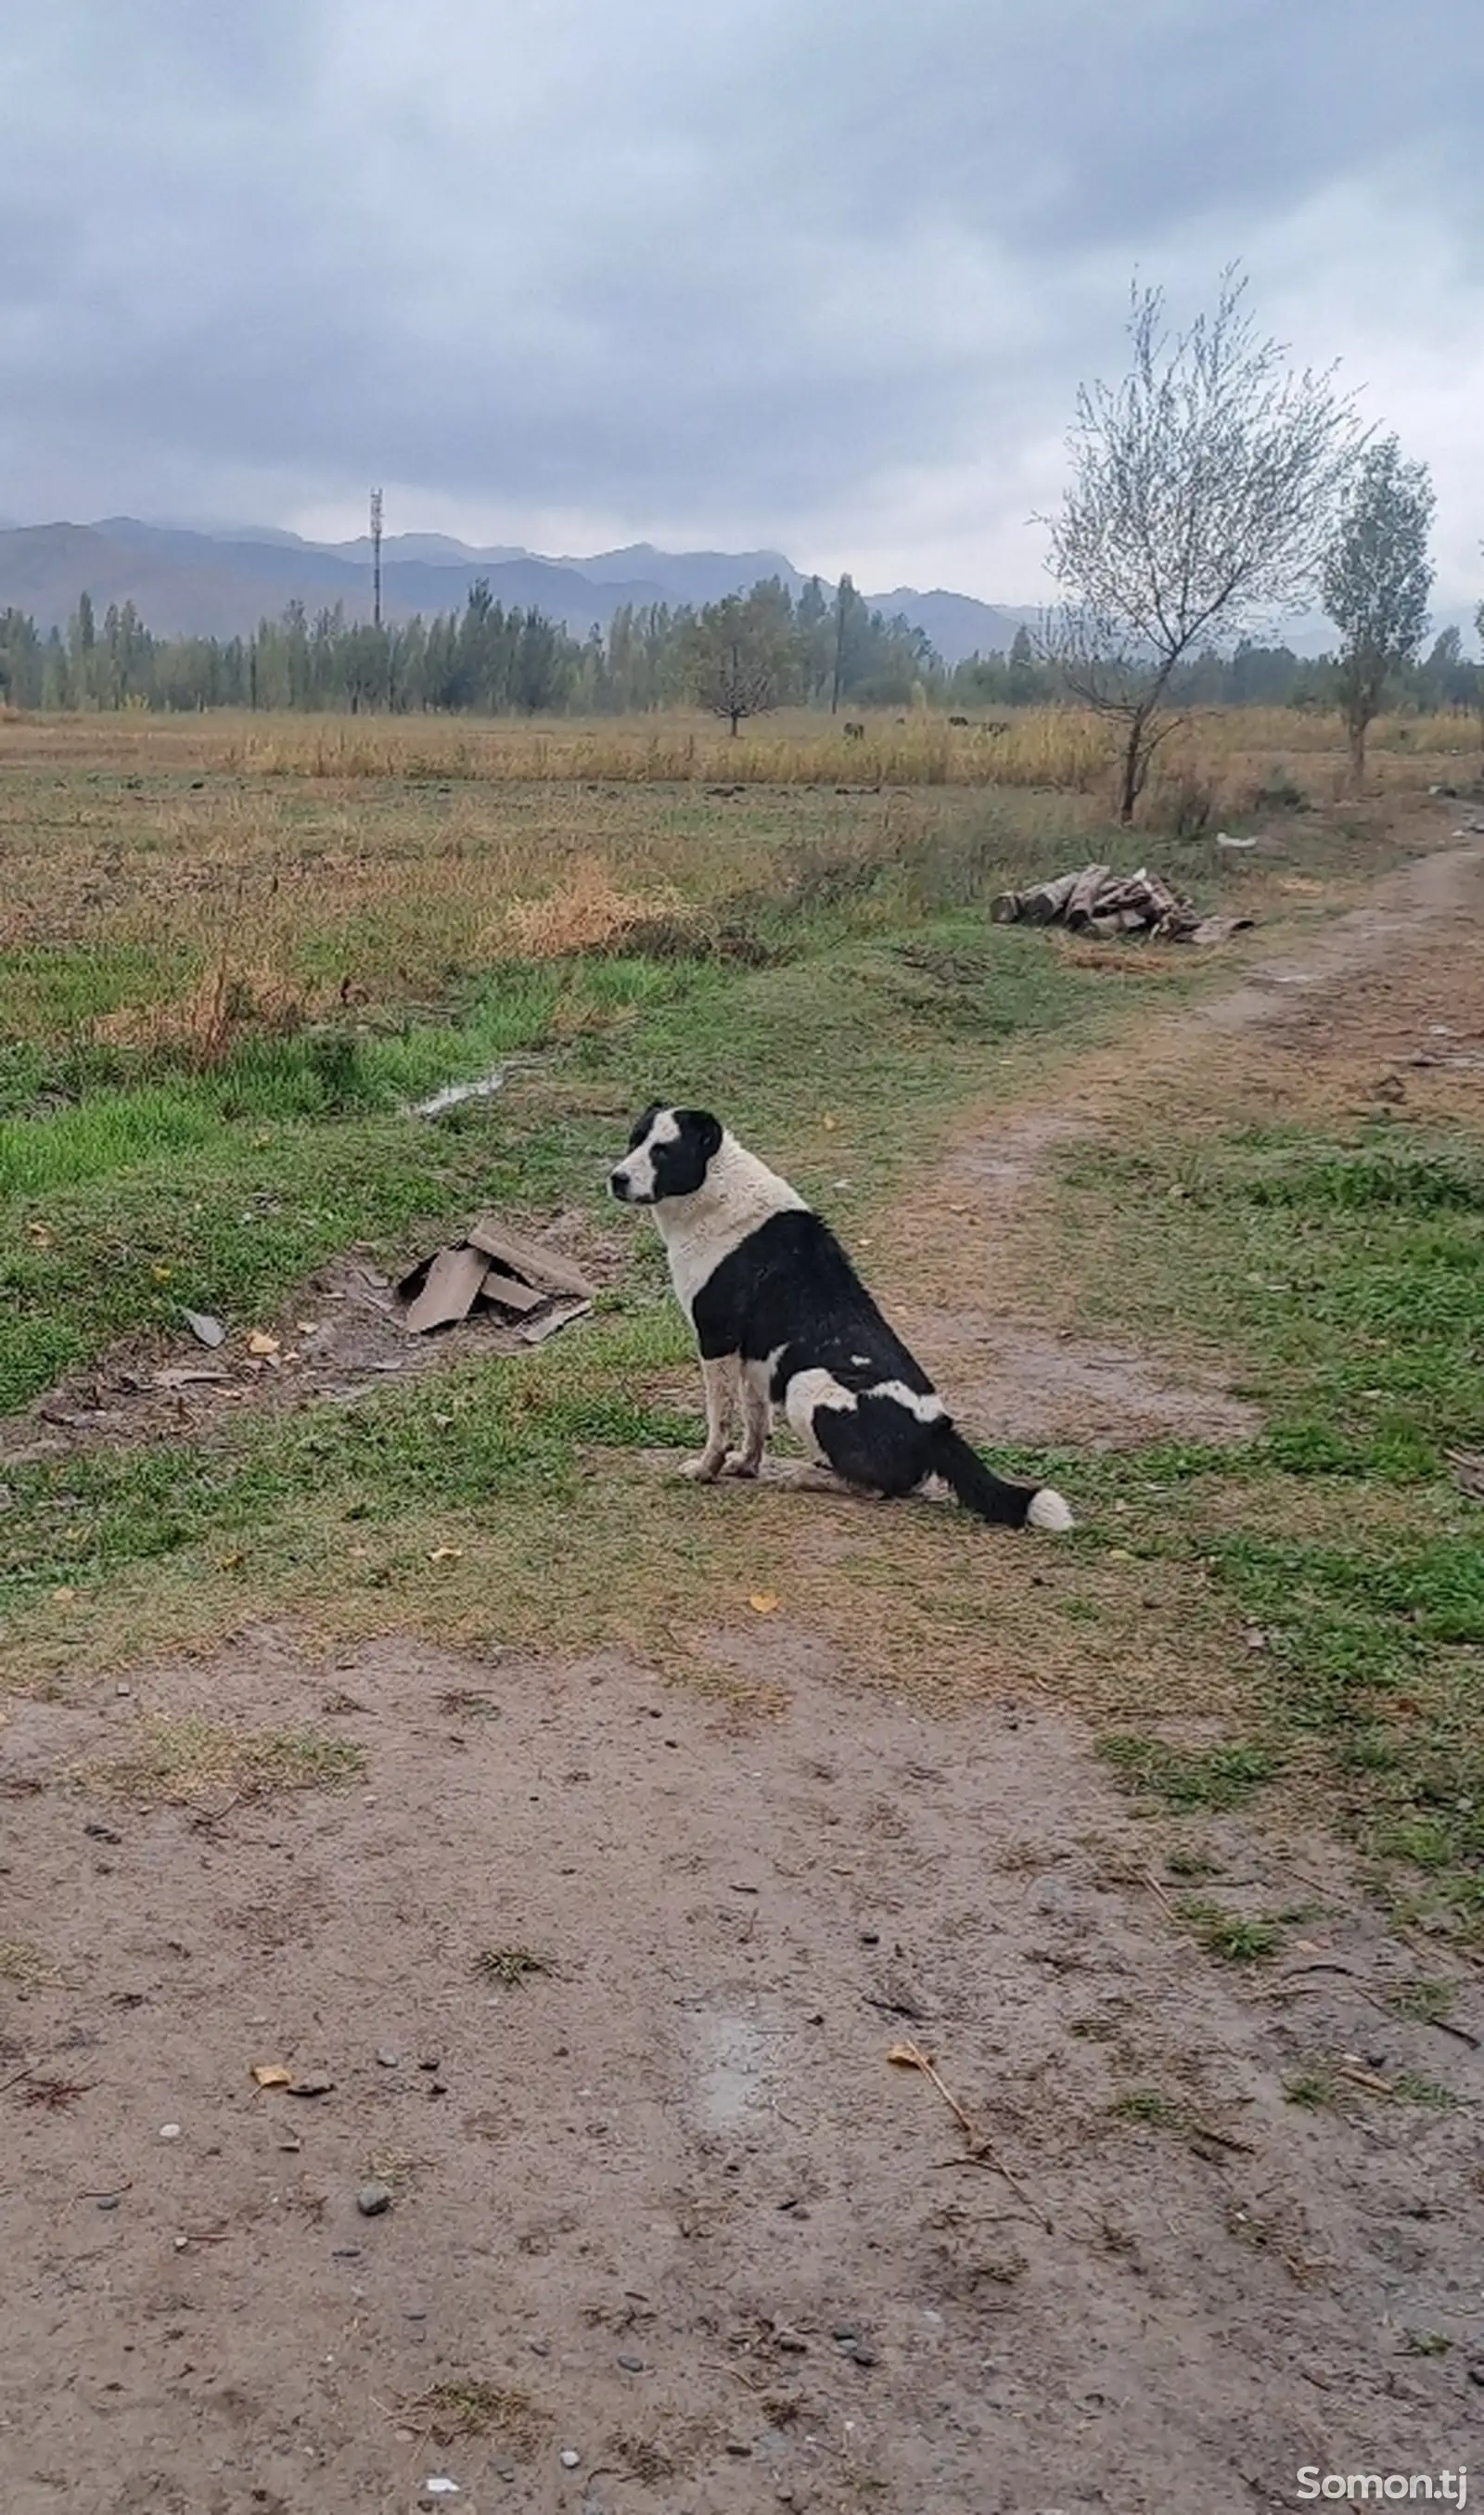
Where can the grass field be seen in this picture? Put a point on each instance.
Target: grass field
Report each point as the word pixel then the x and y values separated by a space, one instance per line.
pixel 233 953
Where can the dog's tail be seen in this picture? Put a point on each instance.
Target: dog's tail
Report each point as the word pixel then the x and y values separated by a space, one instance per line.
pixel 987 1495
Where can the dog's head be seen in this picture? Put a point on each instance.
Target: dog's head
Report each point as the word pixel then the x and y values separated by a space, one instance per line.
pixel 669 1151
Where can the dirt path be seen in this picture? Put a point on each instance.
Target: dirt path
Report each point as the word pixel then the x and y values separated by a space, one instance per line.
pixel 666 2205
pixel 1380 1007
pixel 669 2200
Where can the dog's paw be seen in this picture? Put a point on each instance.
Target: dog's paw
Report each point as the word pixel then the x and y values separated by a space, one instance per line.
pixel 737 1464
pixel 703 1471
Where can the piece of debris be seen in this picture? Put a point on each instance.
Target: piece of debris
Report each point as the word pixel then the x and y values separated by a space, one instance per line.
pixel 373 2200
pixel 555 1321
pixel 1102 903
pixel 494 1270
pixel 270 2073
pixel 261 1343
pixel 204 1328
pixel 981 2150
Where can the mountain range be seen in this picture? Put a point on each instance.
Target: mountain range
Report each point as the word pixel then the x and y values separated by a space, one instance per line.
pixel 219 584
pixel 185 583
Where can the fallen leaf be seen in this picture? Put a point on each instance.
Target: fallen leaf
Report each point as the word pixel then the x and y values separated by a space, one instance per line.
pixel 162 1274
pixel 445 1554
pixel 270 2073
pixel 62 1598
pixel 829 1125
pixel 260 1342
pixel 763 1602
pixel 42 1234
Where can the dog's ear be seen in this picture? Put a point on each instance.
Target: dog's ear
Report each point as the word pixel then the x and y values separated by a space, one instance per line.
pixel 704 1131
pixel 642 1124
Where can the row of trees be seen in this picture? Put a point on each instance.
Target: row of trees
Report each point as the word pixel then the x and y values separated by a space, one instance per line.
pixel 751 652
pixel 756 652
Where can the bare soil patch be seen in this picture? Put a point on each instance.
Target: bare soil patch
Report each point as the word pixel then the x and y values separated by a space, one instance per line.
pixel 340 1335
pixel 665 2203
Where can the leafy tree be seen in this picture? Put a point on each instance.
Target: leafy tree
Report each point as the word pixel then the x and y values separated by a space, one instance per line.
pixel 1376 583
pixel 739 653
pixel 1202 491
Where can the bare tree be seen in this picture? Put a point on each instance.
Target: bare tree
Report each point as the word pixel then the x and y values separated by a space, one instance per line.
pixel 1377 580
pixel 1202 494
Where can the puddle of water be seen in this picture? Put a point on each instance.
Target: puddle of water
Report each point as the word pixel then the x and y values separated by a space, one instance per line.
pixel 454 1094
pixel 731 2067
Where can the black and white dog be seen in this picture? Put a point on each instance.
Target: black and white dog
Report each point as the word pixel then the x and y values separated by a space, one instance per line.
pixel 782 1319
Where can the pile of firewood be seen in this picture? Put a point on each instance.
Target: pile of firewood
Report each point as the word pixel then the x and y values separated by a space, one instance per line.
pixel 1102 903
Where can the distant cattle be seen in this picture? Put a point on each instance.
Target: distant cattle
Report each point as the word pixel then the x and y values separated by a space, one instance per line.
pixel 855 733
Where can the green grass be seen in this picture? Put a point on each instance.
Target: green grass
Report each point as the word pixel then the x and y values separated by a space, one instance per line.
pixel 220 1191
pixel 1347 1278
pixel 1226 1934
pixel 1222 1777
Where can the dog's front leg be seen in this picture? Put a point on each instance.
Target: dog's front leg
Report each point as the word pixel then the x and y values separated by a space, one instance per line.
pixel 757 1424
pixel 721 1378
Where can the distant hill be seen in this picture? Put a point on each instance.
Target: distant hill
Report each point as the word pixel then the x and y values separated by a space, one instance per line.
pixel 219 584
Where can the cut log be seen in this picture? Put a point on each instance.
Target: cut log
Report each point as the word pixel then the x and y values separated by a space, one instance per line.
pixel 1082 900
pixel 529 1258
pixel 1046 901
pixel 453 1280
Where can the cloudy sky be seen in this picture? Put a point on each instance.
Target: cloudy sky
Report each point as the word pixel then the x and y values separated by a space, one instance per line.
pixel 819 275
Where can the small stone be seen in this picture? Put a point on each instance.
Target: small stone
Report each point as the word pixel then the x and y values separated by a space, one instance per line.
pixel 842 2332
pixel 123 1689
pixel 314 2083
pixel 372 2198
pixel 734 2446
pixel 793 2341
pixel 390 2060
pixel 1476 2372
pixel 539 2348
pixel 631 2366
pixel 108 2201
pixel 870 1938
pixel 863 2355
pixel 170 2130
pixel 569 2457
pixel 434 2064
pixel 414 2314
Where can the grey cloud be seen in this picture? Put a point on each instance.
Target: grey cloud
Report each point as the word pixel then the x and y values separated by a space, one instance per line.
pixel 734 270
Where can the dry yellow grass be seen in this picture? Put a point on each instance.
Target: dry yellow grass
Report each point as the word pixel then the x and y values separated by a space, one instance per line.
pixel 586 913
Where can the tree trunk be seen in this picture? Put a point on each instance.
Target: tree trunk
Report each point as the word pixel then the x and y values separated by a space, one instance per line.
pixel 1134 769
pixel 1357 752
pixel 736 717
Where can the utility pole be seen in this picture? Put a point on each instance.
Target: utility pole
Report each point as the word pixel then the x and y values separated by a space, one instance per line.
pixel 375 558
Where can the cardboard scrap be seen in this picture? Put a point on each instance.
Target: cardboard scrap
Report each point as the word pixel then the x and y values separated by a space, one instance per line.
pixel 493 1268
pixel 529 1258
pixel 454 1278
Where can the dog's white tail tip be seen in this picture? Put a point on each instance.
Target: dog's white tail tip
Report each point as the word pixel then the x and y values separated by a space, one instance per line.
pixel 1049 1511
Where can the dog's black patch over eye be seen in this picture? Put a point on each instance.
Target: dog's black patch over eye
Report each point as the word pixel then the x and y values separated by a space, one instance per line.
pixel 642 1126
pixel 680 1167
